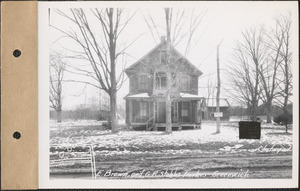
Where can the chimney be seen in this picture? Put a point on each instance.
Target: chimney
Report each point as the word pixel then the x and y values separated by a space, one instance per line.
pixel 163 38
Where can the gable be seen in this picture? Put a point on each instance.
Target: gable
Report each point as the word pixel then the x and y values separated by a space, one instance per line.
pixel 152 60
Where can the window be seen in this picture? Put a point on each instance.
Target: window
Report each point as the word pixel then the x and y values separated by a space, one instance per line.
pixel 160 80
pixel 163 57
pixel 143 82
pixel 143 109
pixel 185 82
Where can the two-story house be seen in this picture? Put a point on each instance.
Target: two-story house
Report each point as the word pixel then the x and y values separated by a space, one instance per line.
pixel 145 103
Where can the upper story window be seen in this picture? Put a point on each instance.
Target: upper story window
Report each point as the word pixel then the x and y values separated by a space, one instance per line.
pixel 160 80
pixel 184 82
pixel 143 82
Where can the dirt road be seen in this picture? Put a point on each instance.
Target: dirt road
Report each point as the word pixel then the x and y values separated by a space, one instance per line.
pixel 253 166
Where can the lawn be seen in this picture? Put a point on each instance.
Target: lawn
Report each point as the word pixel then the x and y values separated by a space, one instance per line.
pixel 187 153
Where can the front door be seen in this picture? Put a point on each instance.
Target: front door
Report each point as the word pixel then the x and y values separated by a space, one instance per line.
pixel 160 112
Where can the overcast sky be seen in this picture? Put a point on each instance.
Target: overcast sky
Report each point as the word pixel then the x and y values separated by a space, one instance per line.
pixel 222 21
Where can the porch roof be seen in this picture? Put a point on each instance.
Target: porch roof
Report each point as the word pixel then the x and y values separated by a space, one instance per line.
pixel 182 96
pixel 190 96
pixel 138 96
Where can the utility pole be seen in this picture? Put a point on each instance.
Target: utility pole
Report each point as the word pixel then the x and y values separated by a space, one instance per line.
pixel 218 88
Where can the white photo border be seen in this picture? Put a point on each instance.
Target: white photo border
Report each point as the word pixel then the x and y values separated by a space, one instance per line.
pixel 43 114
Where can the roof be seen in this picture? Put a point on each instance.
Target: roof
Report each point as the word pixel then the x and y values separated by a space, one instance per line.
pixel 212 102
pixel 141 95
pixel 187 95
pixel 146 55
pixel 161 44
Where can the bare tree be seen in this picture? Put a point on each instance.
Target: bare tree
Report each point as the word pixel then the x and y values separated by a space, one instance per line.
pixel 269 69
pixel 283 24
pixel 56 77
pixel 264 67
pixel 175 21
pixel 248 56
pixel 101 49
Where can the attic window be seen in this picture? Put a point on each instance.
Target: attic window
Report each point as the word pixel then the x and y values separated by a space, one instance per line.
pixel 163 56
pixel 160 80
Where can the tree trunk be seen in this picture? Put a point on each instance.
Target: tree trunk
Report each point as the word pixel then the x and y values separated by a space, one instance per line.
pixel 218 90
pixel 285 110
pixel 269 113
pixel 168 107
pixel 113 112
pixel 168 116
pixel 59 118
pixel 254 111
pixel 256 96
pixel 269 117
pixel 113 88
pixel 286 92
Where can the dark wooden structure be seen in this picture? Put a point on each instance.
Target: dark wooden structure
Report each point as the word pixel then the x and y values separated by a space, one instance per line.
pixel 210 107
pixel 249 130
pixel 145 103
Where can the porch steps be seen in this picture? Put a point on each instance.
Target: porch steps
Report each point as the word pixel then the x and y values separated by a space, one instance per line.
pixel 178 126
pixel 162 126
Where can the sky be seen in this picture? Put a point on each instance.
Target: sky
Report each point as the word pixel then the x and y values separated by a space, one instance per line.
pixel 222 22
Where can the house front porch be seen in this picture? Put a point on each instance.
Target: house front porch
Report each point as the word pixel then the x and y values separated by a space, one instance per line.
pixel 149 113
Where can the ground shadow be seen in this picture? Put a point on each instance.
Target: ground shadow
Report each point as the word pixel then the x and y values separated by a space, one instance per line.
pixel 215 133
pixel 279 133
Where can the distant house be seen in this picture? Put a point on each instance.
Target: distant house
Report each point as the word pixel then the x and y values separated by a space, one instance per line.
pixel 145 103
pixel 210 107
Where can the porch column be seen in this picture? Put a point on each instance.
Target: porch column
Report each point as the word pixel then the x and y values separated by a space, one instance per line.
pixel 191 113
pixel 154 111
pixel 149 111
pixel 199 112
pixel 130 111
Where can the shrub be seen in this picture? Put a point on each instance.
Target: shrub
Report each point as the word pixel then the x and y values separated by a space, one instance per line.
pixel 283 119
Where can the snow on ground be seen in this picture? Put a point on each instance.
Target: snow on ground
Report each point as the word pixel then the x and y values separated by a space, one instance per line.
pixel 133 151
pixel 74 123
pixel 91 132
